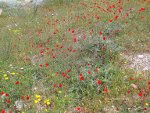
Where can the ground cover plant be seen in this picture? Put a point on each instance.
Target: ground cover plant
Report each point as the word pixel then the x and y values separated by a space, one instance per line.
pixel 71 56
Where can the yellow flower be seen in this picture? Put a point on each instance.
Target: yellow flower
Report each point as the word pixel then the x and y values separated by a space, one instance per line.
pixel 39 99
pixel 46 110
pixel 146 104
pixel 5 75
pixel 36 101
pixel 13 73
pixel 6 78
pixel 22 112
pixel 47 102
pixel 37 96
pixel 59 92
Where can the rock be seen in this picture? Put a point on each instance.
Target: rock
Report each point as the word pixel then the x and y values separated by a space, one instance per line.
pixel 20 105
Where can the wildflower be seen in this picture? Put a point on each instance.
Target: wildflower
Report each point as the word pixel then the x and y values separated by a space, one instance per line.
pixel 140 94
pixel 100 33
pixel 8 101
pixel 36 101
pixel 99 82
pixel 13 73
pixel 106 90
pixel 60 85
pixel 75 39
pixel 68 70
pixel 104 38
pixel 6 94
pixel 6 78
pixel 47 101
pixel 82 78
pixel 46 110
pixel 5 75
pixel 17 82
pixel 47 64
pixel 59 91
pixel 73 31
pixel 142 9
pixel 3 111
pixel 78 109
pixel 129 91
pixel 28 97
pixel 110 20
pixel 116 17
pixel 146 104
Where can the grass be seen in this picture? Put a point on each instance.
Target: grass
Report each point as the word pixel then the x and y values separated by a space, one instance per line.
pixel 66 57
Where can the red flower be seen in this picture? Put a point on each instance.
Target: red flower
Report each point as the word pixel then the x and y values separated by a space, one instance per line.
pixel 78 109
pixel 104 38
pixel 82 78
pixel 2 93
pixel 80 75
pixel 110 20
pixel 101 33
pixel 47 64
pixel 73 31
pixel 3 111
pixel 99 82
pixel 8 101
pixel 75 39
pixel 145 109
pixel 28 97
pixel 55 85
pixel 68 70
pixel 129 91
pixel 142 9
pixel 106 90
pixel 17 82
pixel 131 78
pixel 60 85
pixel 140 94
pixel 116 17
pixel 41 65
pixel 6 94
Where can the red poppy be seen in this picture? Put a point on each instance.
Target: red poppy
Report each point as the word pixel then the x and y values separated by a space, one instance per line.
pixel 80 75
pixel 101 33
pixel 3 111
pixel 82 78
pixel 60 85
pixel 27 97
pixel 99 81
pixel 55 85
pixel 6 94
pixel 47 64
pixel 41 65
pixel 142 9
pixel 106 90
pixel 116 17
pixel 73 31
pixel 131 78
pixel 75 39
pixel 78 109
pixel 110 20
pixel 8 101
pixel 2 93
pixel 140 94
pixel 17 82
pixel 69 70
pixel 129 91
pixel 104 38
